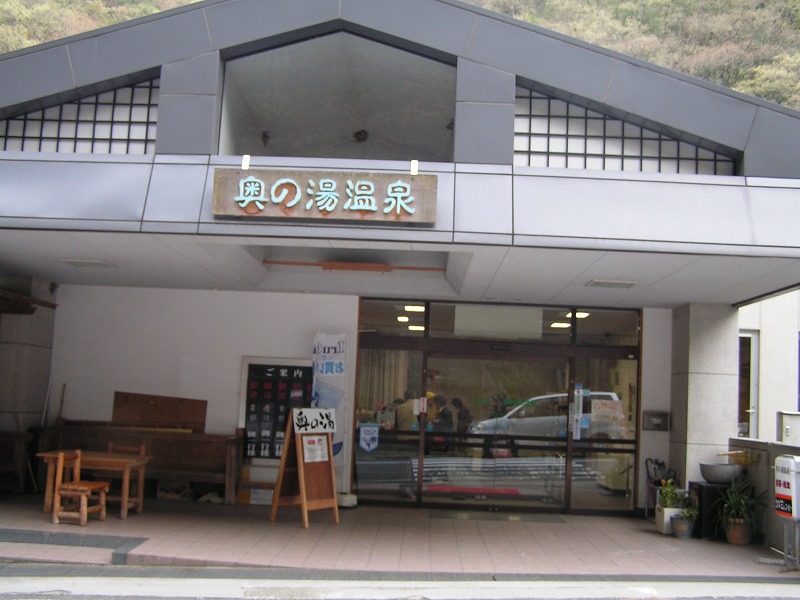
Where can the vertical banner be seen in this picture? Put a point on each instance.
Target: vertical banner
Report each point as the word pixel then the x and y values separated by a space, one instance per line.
pixel 328 361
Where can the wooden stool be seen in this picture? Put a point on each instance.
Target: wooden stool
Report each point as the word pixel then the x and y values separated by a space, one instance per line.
pixel 86 497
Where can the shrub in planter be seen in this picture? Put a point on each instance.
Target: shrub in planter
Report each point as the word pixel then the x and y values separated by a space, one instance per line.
pixel 737 509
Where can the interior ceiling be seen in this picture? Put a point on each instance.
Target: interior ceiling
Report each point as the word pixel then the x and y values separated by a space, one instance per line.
pixel 547 276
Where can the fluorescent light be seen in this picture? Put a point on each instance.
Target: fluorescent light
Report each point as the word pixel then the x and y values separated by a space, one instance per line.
pixel 560 325
pixel 413 308
pixel 85 263
pixel 403 318
pixel 245 162
pixel 611 283
pixel 416 328
pixel 414 167
pixel 578 315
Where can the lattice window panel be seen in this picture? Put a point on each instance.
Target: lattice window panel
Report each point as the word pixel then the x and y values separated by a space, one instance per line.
pixel 121 121
pixel 554 133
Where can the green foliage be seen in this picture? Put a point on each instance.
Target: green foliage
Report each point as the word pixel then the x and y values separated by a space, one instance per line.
pixel 26 23
pixel 739 502
pixel 669 495
pixel 748 45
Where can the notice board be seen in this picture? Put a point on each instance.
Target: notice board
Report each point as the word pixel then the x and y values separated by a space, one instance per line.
pixel 272 389
pixel 306 477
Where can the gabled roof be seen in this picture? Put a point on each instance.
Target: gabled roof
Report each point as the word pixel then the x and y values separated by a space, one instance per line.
pixel 682 106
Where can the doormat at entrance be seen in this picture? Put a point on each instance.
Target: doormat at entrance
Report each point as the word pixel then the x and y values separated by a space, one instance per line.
pixel 481 515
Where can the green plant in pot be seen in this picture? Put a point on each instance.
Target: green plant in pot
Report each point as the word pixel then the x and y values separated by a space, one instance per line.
pixel 737 509
pixel 671 500
pixel 683 523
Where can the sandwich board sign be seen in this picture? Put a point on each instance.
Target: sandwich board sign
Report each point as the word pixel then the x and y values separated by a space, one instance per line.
pixel 306 476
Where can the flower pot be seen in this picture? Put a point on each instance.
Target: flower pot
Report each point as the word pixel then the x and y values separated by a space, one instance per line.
pixel 737 531
pixel 664 518
pixel 682 528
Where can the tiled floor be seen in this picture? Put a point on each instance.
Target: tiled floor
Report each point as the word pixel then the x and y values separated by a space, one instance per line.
pixel 398 540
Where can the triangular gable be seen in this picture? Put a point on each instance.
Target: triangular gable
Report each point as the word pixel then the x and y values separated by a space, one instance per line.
pixel 594 77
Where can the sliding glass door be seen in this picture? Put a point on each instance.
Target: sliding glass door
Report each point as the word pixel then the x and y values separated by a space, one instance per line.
pixel 457 412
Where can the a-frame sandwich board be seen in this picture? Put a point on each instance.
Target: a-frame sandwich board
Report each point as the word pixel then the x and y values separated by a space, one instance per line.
pixel 306 476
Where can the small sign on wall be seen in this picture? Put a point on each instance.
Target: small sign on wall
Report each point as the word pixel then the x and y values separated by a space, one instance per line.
pixel 655 420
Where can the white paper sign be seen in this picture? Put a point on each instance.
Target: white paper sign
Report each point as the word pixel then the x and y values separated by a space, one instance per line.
pixel 314 420
pixel 315 448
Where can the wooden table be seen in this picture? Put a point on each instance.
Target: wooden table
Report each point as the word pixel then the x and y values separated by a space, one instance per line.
pixel 103 461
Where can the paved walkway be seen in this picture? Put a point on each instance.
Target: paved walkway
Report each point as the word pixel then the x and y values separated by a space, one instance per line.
pixel 375 552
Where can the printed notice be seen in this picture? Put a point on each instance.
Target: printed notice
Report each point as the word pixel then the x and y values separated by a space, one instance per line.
pixel 315 448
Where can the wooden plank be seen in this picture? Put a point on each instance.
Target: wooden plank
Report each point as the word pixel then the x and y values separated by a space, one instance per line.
pixel 147 410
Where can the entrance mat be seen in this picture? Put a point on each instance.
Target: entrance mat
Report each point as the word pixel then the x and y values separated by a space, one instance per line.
pixel 485 515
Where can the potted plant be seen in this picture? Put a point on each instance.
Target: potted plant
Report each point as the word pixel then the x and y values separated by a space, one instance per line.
pixel 671 501
pixel 737 509
pixel 683 523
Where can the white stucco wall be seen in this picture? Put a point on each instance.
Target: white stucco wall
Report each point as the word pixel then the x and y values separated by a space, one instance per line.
pixel 185 343
pixel 777 322
pixel 656 382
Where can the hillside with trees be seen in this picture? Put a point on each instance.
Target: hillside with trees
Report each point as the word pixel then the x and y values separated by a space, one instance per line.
pixel 752 46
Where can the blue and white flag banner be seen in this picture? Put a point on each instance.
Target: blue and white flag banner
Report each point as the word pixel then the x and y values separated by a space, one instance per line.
pixel 328 360
pixel 368 436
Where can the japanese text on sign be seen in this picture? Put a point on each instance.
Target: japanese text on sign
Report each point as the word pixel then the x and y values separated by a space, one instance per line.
pixel 315 420
pixel 329 195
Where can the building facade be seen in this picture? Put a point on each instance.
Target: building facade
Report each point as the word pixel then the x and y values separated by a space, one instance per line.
pixel 556 235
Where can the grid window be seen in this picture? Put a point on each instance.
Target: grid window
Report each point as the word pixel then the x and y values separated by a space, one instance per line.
pixel 121 121
pixel 559 134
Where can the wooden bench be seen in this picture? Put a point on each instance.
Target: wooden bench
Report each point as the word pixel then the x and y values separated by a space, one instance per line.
pixel 176 455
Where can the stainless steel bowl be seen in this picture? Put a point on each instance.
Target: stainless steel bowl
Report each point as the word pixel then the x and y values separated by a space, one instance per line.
pixel 720 472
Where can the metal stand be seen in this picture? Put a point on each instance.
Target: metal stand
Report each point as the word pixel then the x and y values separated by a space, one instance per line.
pixel 791 543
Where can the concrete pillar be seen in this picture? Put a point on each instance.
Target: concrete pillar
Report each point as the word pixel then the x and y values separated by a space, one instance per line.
pixel 705 379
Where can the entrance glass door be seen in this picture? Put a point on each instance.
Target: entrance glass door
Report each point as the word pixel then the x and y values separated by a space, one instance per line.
pixel 508 446
pixel 497 406
pixel 387 445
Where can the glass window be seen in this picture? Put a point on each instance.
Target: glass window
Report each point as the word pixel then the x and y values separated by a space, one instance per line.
pixel 607 327
pixel 392 317
pixel 502 322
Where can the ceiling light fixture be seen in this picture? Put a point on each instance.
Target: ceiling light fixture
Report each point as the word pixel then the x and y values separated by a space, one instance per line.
pixel 402 318
pixel 351 266
pixel 560 325
pixel 413 308
pixel 578 315
pixel 83 263
pixel 611 283
pixel 416 328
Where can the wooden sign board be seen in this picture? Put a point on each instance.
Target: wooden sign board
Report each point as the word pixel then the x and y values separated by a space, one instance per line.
pixel 306 476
